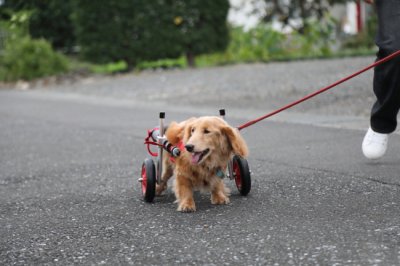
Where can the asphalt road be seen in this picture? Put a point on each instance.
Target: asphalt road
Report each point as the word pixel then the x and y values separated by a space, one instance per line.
pixel 69 165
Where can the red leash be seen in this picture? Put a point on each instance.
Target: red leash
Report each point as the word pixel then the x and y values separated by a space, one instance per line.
pixel 383 60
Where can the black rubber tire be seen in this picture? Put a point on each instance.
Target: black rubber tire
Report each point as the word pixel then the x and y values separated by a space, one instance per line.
pixel 241 174
pixel 148 183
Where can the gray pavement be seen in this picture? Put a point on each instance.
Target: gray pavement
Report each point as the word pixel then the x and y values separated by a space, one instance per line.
pixel 70 155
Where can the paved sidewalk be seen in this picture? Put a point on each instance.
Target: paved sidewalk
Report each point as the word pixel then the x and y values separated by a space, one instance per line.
pixel 248 90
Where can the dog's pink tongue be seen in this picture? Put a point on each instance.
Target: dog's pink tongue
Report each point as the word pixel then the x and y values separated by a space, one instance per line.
pixel 196 157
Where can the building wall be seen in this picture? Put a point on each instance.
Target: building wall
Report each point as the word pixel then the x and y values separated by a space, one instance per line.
pixel 248 13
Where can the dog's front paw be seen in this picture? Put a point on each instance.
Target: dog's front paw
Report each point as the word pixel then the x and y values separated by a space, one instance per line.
pixel 219 199
pixel 187 206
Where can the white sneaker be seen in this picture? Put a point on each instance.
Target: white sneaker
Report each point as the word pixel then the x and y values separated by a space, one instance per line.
pixel 374 144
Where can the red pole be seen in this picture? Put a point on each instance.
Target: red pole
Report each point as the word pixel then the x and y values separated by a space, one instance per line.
pixel 359 16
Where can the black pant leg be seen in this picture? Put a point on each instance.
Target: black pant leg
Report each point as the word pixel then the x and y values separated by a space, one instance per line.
pixel 387 76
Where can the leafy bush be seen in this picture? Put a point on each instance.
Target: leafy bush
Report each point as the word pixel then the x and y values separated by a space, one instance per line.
pixel 263 43
pixel 366 38
pixel 316 41
pixel 104 30
pixel 49 19
pixel 163 64
pixel 258 44
pixel 28 59
pixel 16 26
pixel 110 68
pixel 203 28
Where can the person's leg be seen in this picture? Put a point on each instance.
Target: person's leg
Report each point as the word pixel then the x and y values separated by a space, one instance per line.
pixel 387 90
pixel 387 76
pixel 386 81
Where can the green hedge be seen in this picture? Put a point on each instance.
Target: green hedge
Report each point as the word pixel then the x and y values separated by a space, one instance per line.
pixel 28 59
pixel 140 30
pixel 128 30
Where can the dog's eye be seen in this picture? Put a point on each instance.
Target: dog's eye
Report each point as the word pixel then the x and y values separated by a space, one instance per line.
pixel 206 131
pixel 192 130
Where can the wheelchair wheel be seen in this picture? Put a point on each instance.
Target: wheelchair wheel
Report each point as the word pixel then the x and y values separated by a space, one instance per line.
pixel 148 180
pixel 241 174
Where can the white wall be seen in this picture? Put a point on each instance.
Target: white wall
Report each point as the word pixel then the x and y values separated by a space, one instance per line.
pixel 242 13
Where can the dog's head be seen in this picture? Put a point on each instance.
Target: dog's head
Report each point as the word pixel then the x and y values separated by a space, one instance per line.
pixel 207 139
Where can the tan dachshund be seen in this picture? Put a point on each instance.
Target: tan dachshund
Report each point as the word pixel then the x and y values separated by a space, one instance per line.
pixel 209 143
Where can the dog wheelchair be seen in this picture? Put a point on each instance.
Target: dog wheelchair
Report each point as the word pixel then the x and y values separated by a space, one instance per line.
pixel 238 168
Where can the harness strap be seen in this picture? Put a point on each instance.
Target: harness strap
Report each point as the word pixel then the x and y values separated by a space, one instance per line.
pixel 148 142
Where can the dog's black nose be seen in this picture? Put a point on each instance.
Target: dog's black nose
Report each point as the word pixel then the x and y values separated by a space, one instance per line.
pixel 189 147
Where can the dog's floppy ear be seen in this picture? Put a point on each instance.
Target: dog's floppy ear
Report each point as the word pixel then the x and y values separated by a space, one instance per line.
pixel 238 144
pixel 188 129
pixel 176 131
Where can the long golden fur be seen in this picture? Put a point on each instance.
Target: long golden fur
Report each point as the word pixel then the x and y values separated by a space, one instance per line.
pixel 209 145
